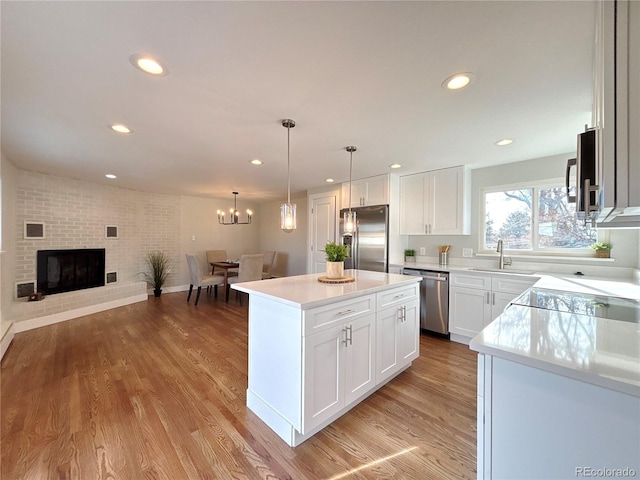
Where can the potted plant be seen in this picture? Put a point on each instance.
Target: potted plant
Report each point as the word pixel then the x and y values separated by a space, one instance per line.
pixel 602 249
pixel 410 255
pixel 336 255
pixel 158 262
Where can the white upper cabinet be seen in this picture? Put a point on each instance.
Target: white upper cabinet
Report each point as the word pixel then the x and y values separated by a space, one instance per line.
pixel 435 203
pixel 366 192
pixel 616 113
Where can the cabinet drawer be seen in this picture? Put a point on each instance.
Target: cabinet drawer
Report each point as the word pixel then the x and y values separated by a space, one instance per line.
pixel 398 295
pixel 321 318
pixel 471 281
pixel 512 285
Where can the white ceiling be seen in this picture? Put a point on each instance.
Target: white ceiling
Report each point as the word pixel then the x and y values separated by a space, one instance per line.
pixel 349 73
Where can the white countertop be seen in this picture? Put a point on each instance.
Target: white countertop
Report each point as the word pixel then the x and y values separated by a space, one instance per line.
pixel 591 349
pixel 305 291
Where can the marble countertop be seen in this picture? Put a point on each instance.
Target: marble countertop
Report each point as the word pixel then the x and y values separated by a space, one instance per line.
pixel 305 291
pixel 590 349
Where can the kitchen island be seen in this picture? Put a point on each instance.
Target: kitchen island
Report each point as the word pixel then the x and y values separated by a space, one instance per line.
pixel 558 394
pixel 316 350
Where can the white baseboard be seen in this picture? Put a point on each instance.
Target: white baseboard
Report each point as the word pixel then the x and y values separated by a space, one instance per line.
pixel 6 340
pixel 79 312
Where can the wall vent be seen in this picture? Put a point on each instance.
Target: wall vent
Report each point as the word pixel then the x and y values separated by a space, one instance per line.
pixel 33 229
pixel 112 277
pixel 24 289
pixel 111 231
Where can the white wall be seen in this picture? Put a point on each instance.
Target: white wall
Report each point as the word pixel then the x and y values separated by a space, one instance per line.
pixel 625 242
pixel 291 247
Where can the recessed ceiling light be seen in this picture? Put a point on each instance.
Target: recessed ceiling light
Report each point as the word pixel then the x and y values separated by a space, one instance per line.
pixel 329 180
pixel 118 127
pixel 256 161
pixel 459 80
pixel 395 165
pixel 148 64
pixel 110 175
pixel 502 143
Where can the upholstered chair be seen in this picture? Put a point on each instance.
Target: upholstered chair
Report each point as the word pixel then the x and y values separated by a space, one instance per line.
pixel 199 280
pixel 250 269
pixel 269 259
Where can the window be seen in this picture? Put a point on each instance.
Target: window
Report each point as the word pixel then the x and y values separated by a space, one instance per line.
pixel 535 218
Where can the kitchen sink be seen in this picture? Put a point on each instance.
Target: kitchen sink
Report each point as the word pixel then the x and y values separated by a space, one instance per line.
pixel 497 270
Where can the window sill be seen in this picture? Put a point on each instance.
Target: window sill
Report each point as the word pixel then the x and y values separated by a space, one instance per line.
pixel 550 258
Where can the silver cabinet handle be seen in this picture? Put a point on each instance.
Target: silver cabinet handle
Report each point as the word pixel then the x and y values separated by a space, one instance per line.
pixel 345 312
pixel 399 296
pixel 426 228
pixel 346 338
pixel 493 298
pixel 350 328
pixel 488 302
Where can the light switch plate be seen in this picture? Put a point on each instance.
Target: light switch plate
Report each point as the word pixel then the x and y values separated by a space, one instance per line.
pixel 193 238
pixel 467 252
pixel 422 251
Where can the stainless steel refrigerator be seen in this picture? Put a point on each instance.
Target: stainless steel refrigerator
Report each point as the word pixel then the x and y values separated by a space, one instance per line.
pixel 369 244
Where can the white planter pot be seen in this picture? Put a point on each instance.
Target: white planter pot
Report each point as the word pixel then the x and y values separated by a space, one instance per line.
pixel 335 269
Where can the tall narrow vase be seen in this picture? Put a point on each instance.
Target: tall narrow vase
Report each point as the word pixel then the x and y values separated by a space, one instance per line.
pixel 335 269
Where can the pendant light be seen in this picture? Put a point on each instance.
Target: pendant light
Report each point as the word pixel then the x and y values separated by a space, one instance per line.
pixel 234 220
pixel 288 210
pixel 350 217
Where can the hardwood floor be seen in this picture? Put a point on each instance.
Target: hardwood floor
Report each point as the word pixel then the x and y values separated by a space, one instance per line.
pixel 156 390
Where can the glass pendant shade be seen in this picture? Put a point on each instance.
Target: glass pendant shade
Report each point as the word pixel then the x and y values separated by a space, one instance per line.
pixel 349 221
pixel 288 217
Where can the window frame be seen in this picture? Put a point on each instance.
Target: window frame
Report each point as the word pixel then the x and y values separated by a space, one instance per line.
pixel 535 221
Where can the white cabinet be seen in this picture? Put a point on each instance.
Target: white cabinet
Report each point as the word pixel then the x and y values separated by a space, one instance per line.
pixel 475 300
pixel 617 110
pixel 435 203
pixel 308 366
pixel 366 192
pixel 339 368
pixel 397 331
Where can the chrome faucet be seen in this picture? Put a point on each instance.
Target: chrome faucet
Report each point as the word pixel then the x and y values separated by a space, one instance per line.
pixel 503 260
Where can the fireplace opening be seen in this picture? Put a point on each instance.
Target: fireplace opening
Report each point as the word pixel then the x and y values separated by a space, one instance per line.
pixel 67 270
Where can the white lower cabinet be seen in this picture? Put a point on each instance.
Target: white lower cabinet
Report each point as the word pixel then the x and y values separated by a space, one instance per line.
pixel 339 368
pixel 398 336
pixel 476 300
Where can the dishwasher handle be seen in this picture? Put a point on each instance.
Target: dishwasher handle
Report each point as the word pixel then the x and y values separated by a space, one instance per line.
pixel 437 279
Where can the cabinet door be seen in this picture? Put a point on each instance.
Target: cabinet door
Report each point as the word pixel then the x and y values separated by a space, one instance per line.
pixel 446 204
pixel 387 355
pixel 468 310
pixel 358 193
pixel 412 213
pixel 323 383
pixel 377 190
pixel 499 301
pixel 409 335
pixel 360 375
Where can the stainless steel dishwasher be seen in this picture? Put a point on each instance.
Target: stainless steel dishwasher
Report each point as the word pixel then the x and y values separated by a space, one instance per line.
pixel 434 300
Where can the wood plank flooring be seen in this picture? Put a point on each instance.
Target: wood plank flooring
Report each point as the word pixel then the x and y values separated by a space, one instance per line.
pixel 156 390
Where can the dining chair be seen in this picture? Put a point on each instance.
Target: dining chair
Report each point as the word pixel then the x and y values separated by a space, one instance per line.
pixel 269 258
pixel 250 269
pixel 199 280
pixel 216 256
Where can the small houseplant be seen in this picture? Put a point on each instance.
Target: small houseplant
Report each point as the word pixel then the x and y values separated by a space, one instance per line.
pixel 410 255
pixel 158 262
pixel 602 249
pixel 336 255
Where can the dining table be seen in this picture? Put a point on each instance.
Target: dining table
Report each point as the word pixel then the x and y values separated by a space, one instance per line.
pixel 225 266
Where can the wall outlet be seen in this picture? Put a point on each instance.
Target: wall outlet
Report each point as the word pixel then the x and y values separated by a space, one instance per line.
pixel 193 238
pixel 467 252
pixel 422 251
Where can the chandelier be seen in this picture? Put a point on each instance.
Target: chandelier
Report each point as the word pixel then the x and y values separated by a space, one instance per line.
pixel 235 215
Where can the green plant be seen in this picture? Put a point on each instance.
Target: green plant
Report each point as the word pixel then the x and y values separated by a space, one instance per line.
pixel 158 262
pixel 336 252
pixel 410 253
pixel 601 246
